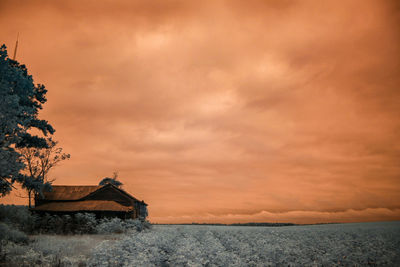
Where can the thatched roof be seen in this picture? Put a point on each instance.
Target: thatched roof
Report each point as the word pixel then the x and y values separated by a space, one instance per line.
pixel 70 192
pixel 84 206
pixel 63 198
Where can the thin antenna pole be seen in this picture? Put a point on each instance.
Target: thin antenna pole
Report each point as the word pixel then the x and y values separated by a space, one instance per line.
pixel 16 47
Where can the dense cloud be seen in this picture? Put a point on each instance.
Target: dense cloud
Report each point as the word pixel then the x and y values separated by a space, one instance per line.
pixel 223 107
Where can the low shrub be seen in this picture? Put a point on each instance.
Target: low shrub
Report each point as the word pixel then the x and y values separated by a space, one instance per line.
pixel 137 225
pixel 21 220
pixel 110 226
pixel 80 223
pixel 117 226
pixel 19 217
pixel 9 234
pixel 84 223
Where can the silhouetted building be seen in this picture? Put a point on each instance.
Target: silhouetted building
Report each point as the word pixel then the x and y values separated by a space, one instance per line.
pixel 103 200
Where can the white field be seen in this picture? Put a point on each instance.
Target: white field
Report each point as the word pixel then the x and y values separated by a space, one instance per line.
pixel 356 244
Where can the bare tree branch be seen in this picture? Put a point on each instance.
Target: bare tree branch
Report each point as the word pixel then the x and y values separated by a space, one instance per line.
pixel 38 162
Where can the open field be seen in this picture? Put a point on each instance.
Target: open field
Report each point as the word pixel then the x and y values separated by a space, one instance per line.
pixel 313 245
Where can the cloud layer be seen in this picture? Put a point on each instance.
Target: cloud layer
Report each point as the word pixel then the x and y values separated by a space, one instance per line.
pixel 239 110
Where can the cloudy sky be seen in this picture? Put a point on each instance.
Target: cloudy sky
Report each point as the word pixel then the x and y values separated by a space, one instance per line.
pixel 223 111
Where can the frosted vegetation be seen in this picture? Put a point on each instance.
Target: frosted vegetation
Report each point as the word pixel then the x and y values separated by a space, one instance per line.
pixel 134 244
pixel 320 245
pixel 27 239
pixel 22 221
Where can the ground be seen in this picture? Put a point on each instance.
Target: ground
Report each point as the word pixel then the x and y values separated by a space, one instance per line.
pixel 357 244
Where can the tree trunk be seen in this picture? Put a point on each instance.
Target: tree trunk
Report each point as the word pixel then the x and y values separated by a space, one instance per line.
pixel 30 196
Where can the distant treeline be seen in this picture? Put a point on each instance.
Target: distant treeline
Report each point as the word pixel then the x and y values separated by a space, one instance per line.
pixel 232 224
pixel 262 224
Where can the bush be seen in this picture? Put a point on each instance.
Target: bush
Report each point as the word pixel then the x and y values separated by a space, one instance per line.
pixel 20 218
pixel 85 223
pixel 110 226
pixel 117 226
pixel 68 224
pixel 9 234
pixel 137 225
pixel 80 223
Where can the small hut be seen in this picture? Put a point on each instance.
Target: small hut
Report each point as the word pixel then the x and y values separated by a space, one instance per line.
pixel 103 200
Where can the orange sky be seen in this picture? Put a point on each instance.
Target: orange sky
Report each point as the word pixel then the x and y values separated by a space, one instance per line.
pixel 223 111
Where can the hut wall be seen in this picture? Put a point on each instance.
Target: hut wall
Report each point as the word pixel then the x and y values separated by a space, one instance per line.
pixel 40 201
pixel 98 214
